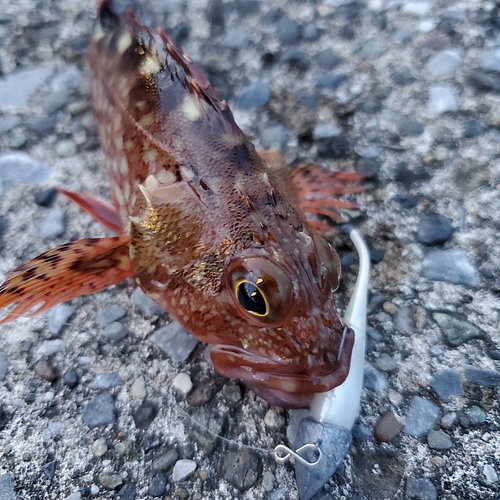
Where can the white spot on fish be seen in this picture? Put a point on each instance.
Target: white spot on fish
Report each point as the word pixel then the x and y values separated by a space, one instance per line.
pixel 191 108
pixel 150 65
pixel 124 42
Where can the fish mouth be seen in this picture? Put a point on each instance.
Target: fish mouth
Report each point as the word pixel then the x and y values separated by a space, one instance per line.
pixel 279 383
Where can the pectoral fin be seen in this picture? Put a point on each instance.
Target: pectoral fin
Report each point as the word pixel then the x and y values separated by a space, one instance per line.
pixel 65 272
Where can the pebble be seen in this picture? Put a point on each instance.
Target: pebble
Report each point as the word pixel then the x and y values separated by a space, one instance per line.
pixel 439 440
pixel 53 224
pixel 241 468
pixel 108 380
pixel 490 60
pixel 210 426
pixel 128 492
pixel 268 481
pixel 452 266
pixel 148 307
pixel 74 496
pixel 69 78
pixel 49 347
pixel 42 125
pixel 288 31
pixel 49 469
pixel 328 80
pixel 447 384
pixel 373 379
pixel 445 62
pixel 326 131
pixel 448 420
pixel 419 9
pixel 232 392
pixel 99 411
pixel 116 331
pixel 362 433
pixel 483 378
pixel 182 382
pixel 18 87
pixel 66 148
pixel 475 414
pixel 421 489
pixel 145 414
pixel 165 461
pixel 138 388
pixel 59 316
pixel 20 168
pixel 456 331
pixel 327 59
pixel 441 100
pixel 402 76
pixel 408 127
pixel 158 485
pixel 46 370
pixel 274 136
pixel 174 341
pixel 99 447
pixel 273 419
pixel 421 417
pixel 426 25
pixel 484 81
pixel 51 431
pixel 438 461
pixel 45 199
pixel 434 229
pixel 4 365
pixel 183 469
pixel 70 378
pixel 110 481
pixel 387 427
pixel 386 363
pixel 254 96
pixel 8 123
pixel 473 128
pixel 110 314
pixel 403 320
pixel 490 474
pixel 335 148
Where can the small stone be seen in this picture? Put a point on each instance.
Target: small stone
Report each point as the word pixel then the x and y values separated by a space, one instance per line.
pixel 483 378
pixel 447 384
pixel 49 469
pixel 402 76
pixel 362 433
pixel 253 96
pixel 59 316
pixel 486 437
pixel 371 50
pixel 329 81
pixel 441 100
pixel 182 382
pixel 210 425
pixel 390 308
pixel 42 125
pixel 451 266
pixel 158 485
pixel 421 417
pixel 296 60
pixel 368 166
pixel 373 379
pixel 395 397
pixel 335 148
pixel 448 420
pixel 419 9
pixel 99 447
pixel 65 148
pixel 273 420
pixel 326 131
pixel 439 440
pixel 438 461
pixel 241 468
pixel 45 199
pixel 8 123
pixel 426 25
pixel 456 331
pixel 138 388
pixel 473 128
pixel 268 481
pixel 232 392
pixel 51 431
pixel 386 363
pixel 115 332
pixel 70 378
pixel 110 481
pixel 484 81
pixel 145 414
pixel 476 415
pixel 20 168
pixel 328 60
pixel 274 136
pixel 148 307
pixel 183 469
pixel 490 474
pixel 110 314
pixel 490 60
pixel 46 370
pixel 165 461
pixel 401 36
pixel 445 62
pixel 99 411
pixel 123 447
pixel 408 127
pixel 347 32
pixel 26 456
pixel 53 225
pixel 434 229
pixel 128 492
pixel 108 380
pixel 49 347
pixel 288 31
pixel 421 489
pixel 174 341
pixel 387 428
pixel 403 320
pixel 74 496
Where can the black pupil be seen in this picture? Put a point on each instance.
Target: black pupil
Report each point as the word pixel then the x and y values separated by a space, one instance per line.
pixel 251 299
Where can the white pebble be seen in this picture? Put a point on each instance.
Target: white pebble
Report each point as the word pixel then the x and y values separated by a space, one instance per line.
pixel 99 447
pixel 426 25
pixel 49 347
pixel 182 382
pixel 490 474
pixel 419 9
pixel 441 100
pixel 138 389
pixel 183 469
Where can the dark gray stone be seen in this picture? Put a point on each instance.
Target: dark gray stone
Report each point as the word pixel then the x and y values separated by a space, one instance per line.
pixel 408 127
pixel 439 440
pixel 326 131
pixel 288 31
pixel 241 468
pixel 52 225
pixel 456 331
pixel 128 492
pixel 476 415
pixel 447 384
pixel 450 265
pixel 145 414
pixel 209 425
pixel 386 363
pixel 70 378
pixel 46 197
pixel 165 461
pixel 7 487
pixel 174 341
pixel 116 331
pixel 42 125
pixel 421 489
pixel 4 365
pixel 110 314
pixel 483 378
pixel 329 80
pixel 473 128
pixel 99 411
pixel 296 59
pixel 253 96
pixel 49 469
pixel 373 379
pixel 336 148
pixel 108 380
pixel 158 485
pixel 434 229
pixel 327 59
pixel 484 81
pixel 148 307
pixel 59 316
pixel 421 417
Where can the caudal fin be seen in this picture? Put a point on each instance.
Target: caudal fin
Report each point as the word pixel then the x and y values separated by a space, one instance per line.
pixel 65 272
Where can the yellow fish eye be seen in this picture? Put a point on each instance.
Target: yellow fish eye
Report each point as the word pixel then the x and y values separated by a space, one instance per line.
pixel 251 297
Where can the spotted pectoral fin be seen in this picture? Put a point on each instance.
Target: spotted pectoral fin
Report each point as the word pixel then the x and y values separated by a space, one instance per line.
pixel 65 272
pixel 102 211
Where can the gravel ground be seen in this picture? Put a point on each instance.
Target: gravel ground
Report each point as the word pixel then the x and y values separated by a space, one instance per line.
pixel 91 401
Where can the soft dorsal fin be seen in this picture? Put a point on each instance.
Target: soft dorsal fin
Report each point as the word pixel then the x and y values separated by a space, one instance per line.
pixel 65 272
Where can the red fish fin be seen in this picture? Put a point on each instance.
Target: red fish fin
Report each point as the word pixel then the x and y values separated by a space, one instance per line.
pixel 318 189
pixel 65 272
pixel 99 209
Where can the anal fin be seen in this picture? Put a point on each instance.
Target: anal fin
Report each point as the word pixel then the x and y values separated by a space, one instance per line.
pixel 65 272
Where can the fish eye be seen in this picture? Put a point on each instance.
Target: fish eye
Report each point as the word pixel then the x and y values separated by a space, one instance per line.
pixel 261 291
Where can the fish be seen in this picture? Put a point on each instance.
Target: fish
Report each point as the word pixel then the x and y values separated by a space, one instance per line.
pixel 226 240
